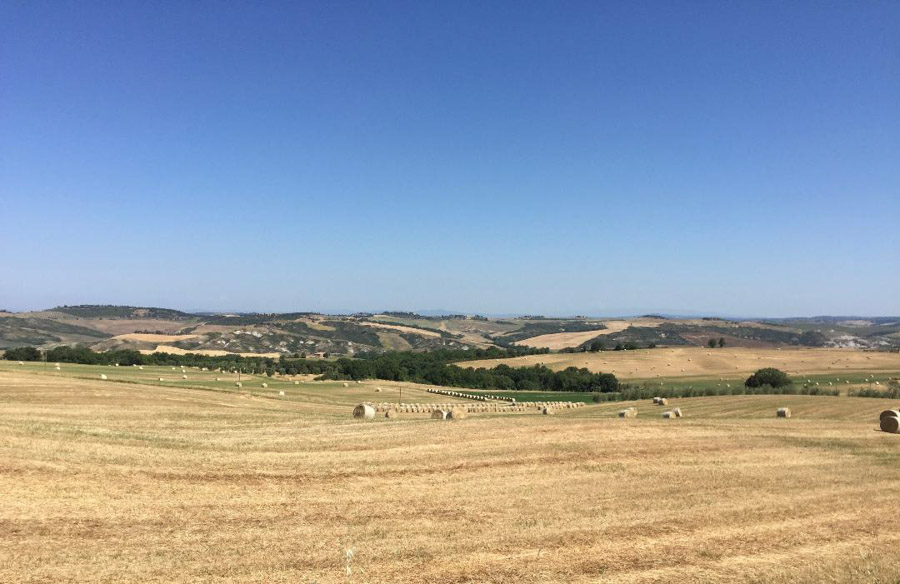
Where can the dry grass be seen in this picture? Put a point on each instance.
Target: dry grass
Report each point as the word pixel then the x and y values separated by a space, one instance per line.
pixel 210 352
pixel 107 481
pixel 152 338
pixel 400 328
pixel 556 341
pixel 705 363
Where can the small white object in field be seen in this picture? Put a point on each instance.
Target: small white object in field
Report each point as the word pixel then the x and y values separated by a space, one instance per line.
pixel 161 379
pixel 238 384
pixel 141 367
pixel 281 393
pixel 265 385
pixel 184 376
pixel 20 363
pixel 57 367
pixel 296 383
pixel 102 376
pixel 346 385
pixel 783 412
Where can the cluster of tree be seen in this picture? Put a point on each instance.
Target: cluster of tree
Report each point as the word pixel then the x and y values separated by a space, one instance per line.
pixel 434 368
pixel 23 354
pixel 713 343
pixel 597 345
pixel 768 376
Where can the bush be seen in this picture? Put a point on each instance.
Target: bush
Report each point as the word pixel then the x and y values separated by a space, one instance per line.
pixel 769 376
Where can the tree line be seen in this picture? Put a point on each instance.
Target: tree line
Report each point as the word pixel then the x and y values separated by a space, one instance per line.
pixel 430 367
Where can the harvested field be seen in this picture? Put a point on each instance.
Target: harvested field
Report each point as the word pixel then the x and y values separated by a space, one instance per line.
pixel 400 328
pixel 556 341
pixel 135 482
pixel 211 352
pixel 704 363
pixel 152 338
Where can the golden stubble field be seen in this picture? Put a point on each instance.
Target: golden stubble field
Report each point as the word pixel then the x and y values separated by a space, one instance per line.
pixel 104 481
pixel 667 362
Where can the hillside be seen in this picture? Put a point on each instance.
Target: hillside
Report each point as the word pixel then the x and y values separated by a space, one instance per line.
pixel 149 329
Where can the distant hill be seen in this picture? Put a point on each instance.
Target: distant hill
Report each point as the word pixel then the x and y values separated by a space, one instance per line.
pixel 128 312
pixel 150 328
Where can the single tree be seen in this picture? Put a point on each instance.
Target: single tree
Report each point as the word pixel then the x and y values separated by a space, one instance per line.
pixel 768 376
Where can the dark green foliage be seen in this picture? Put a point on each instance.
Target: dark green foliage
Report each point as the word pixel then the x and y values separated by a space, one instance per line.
pixel 721 341
pixel 436 368
pixel 813 339
pixel 23 354
pixel 711 343
pixel 768 376
pixel 597 346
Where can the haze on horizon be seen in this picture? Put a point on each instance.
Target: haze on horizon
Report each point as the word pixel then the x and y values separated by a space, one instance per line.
pixel 577 158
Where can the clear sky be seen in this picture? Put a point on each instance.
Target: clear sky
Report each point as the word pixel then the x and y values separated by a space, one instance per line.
pixel 737 158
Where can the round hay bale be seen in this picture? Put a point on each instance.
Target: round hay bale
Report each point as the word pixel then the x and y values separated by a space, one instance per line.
pixel 265 385
pixel 439 414
pixel 547 411
pixel 668 415
pixel 783 412
pixel 457 414
pixel 889 413
pixel 57 368
pixel 890 424
pixel 296 383
pixel 281 393
pixel 218 379
pixel 103 376
pixel 677 412
pixel 392 413
pixel 238 384
pixel 184 376
pixel 663 401
pixel 141 367
pixel 346 384
pixel 21 363
pixel 161 379
pixel 628 413
pixel 364 412
pixel 656 400
pixel 377 390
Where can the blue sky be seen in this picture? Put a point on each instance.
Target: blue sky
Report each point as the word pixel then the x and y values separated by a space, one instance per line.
pixel 536 157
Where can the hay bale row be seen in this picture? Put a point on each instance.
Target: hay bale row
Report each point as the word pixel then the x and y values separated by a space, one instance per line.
pixel 889 420
pixel 557 405
pixel 449 407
